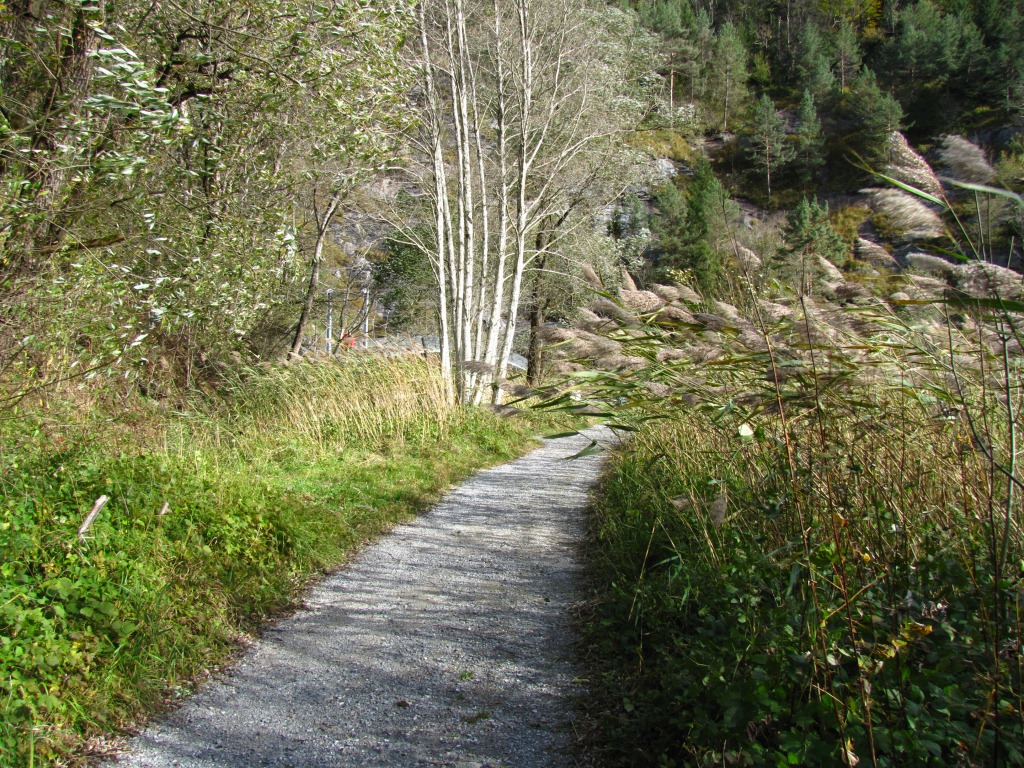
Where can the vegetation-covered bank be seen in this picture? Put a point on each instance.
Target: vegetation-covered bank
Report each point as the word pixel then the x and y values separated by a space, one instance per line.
pixel 888 640
pixel 811 551
pixel 270 486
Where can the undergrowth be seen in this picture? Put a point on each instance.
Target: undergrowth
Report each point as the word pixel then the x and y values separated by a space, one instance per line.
pixel 217 518
pixel 880 634
pixel 810 552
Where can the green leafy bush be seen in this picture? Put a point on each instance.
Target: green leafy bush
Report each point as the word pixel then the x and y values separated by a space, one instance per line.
pixel 264 490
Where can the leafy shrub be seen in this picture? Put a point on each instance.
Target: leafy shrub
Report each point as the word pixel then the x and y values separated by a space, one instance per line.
pixel 265 489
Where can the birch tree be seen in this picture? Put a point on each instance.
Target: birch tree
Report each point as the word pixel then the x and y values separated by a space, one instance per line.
pixel 516 98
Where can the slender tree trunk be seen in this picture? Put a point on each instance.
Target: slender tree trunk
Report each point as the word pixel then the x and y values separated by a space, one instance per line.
pixel 538 317
pixel 503 129
pixel 466 196
pixel 535 356
pixel 524 160
pixel 728 88
pixel 483 379
pixel 458 262
pixel 442 251
pixel 322 227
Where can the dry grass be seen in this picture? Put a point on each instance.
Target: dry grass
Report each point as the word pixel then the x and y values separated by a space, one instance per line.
pixel 351 399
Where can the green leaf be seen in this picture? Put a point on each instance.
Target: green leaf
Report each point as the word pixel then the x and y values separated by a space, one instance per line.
pixel 984 188
pixel 591 450
pixel 913 190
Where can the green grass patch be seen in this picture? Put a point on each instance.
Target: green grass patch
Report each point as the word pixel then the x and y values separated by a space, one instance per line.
pixel 95 635
pixel 721 639
pixel 663 142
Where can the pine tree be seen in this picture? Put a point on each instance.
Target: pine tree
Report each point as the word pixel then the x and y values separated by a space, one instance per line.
pixel 809 235
pixel 809 139
pixel 847 55
pixel 813 69
pixel 702 40
pixel 811 46
pixel 765 140
pixel 667 17
pixel 877 113
pixel 729 72
pixel 670 201
pixel 690 226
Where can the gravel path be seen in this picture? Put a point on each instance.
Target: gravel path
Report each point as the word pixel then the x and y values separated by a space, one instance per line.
pixel 448 643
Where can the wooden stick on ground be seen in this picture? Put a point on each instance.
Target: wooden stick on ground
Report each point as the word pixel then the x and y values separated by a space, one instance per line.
pixel 91 517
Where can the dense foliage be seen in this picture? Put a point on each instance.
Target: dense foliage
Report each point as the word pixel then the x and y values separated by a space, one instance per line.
pixel 159 167
pixel 809 552
pixel 952 65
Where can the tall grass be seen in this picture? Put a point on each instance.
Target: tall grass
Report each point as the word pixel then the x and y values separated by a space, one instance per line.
pixel 810 553
pixel 217 517
pixel 353 399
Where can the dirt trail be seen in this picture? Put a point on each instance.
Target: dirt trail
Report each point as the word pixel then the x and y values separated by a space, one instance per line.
pixel 448 643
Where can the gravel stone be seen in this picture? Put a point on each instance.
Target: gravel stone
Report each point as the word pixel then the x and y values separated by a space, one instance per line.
pixel 448 643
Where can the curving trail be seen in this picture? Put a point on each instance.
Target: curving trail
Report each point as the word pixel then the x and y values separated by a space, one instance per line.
pixel 448 643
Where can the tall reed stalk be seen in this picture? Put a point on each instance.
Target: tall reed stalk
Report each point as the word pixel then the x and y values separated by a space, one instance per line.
pixel 813 542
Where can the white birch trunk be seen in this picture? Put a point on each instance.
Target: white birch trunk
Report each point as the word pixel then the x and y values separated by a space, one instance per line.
pixel 440 196
pixel 503 127
pixel 524 160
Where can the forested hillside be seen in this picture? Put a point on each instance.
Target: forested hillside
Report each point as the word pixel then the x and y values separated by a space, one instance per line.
pixel 778 243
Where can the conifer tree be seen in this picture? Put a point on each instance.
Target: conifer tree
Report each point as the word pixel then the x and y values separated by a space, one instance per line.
pixel 729 71
pixel 809 235
pixel 689 232
pixel 765 140
pixel 847 54
pixel 667 17
pixel 809 139
pixel 702 41
pixel 812 62
pixel 877 113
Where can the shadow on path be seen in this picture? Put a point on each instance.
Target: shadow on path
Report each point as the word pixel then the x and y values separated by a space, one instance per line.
pixel 448 643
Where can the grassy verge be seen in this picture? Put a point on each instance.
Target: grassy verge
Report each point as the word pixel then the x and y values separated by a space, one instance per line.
pixel 881 636
pixel 811 551
pixel 263 492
